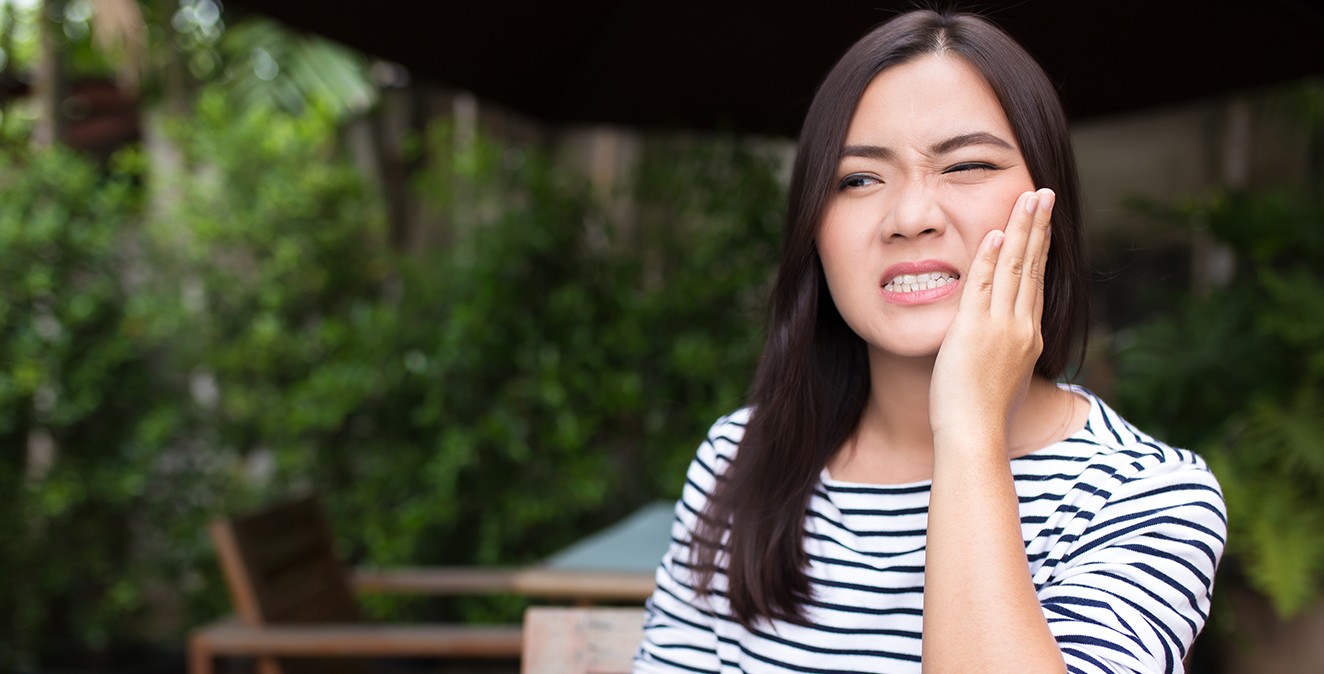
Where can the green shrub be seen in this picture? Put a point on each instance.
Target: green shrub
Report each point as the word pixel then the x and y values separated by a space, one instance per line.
pixel 74 396
pixel 200 339
pixel 487 402
pixel 1239 376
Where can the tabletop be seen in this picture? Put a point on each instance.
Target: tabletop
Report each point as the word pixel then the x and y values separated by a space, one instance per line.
pixel 614 564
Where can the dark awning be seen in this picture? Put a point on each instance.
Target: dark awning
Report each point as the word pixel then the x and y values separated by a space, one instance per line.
pixel 754 66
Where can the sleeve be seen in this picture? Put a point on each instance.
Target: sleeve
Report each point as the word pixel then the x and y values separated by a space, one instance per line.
pixel 679 631
pixel 1134 592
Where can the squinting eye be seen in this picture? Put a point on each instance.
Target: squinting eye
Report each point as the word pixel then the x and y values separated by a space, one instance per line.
pixel 971 166
pixel 855 180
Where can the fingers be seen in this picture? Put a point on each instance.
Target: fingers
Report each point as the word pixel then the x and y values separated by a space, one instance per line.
pixel 1018 278
pixel 979 278
pixel 1030 298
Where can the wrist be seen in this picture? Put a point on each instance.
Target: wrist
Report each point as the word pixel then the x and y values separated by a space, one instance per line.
pixel 975 439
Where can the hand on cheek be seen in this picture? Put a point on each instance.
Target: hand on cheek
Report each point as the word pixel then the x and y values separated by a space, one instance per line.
pixel 987 357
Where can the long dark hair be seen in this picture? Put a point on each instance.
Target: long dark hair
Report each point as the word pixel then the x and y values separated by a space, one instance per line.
pixel 812 381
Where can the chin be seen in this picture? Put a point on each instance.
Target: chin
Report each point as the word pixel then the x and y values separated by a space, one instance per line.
pixel 911 338
pixel 909 351
pixel 912 344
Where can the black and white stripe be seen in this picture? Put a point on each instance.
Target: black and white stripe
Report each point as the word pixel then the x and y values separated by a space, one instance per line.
pixel 1122 532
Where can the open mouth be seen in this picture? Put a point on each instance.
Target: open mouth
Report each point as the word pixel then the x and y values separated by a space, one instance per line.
pixel 911 283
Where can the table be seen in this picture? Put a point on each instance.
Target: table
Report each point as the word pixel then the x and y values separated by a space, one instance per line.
pixel 615 564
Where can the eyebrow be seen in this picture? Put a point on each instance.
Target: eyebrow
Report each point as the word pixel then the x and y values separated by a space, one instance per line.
pixel 877 152
pixel 881 153
pixel 968 139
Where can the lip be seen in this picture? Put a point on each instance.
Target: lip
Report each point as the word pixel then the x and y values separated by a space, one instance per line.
pixel 919 296
pixel 921 267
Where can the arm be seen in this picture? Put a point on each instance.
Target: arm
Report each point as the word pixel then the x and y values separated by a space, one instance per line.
pixel 981 612
pixel 980 608
pixel 679 633
pixel 1133 591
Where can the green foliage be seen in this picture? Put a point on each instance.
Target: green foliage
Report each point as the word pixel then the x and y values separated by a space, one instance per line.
pixel 488 402
pixel 274 67
pixel 182 338
pixel 565 367
pixel 20 24
pixel 197 337
pixel 1239 375
pixel 709 221
pixel 265 276
pixel 73 391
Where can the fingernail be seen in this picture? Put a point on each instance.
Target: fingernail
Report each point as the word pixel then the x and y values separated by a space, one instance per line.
pixel 1032 203
pixel 1047 199
pixel 995 240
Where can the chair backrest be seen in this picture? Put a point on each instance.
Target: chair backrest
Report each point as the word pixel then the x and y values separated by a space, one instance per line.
pixel 281 568
pixel 588 640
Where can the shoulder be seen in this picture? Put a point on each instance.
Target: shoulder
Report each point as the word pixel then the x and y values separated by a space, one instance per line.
pixel 1131 557
pixel 1146 475
pixel 707 469
pixel 1111 471
pixel 730 429
pixel 718 449
pixel 1132 454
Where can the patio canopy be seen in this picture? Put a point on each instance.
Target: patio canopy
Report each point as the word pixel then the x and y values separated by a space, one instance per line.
pixel 754 66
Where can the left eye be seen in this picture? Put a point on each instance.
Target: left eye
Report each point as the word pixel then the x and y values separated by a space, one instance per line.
pixel 857 180
pixel 970 166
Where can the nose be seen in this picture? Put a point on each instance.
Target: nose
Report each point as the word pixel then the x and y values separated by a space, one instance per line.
pixel 914 214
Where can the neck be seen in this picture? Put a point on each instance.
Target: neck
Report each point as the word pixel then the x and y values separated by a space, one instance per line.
pixel 893 442
pixel 898 406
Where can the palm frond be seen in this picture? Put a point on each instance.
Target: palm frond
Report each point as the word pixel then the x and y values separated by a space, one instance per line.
pixel 119 31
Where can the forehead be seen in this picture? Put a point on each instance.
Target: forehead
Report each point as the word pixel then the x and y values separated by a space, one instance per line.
pixel 926 100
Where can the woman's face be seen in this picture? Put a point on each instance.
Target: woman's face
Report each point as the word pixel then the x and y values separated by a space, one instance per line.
pixel 930 165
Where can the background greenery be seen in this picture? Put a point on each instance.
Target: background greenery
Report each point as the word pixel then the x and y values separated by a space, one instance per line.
pixel 1237 373
pixel 75 377
pixel 1256 349
pixel 192 332
pixel 252 335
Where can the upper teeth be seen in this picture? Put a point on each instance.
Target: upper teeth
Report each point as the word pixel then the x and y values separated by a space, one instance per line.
pixel 909 283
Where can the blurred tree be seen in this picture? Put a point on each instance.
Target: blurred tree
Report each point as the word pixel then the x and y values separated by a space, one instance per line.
pixel 120 33
pixel 10 84
pixel 1238 374
pixel 49 81
pixel 73 391
pixel 270 66
pixel 218 319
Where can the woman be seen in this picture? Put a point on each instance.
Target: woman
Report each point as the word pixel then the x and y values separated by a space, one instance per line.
pixel 909 485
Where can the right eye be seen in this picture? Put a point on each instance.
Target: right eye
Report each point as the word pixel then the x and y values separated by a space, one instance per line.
pixel 857 180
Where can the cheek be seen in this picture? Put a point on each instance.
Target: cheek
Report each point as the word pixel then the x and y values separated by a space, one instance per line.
pixel 843 251
pixel 841 234
pixel 978 211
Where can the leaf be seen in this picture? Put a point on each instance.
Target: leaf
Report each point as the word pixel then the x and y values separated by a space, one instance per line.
pixel 1290 435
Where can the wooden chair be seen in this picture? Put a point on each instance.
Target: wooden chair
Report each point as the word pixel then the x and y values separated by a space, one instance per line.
pixel 295 601
pixel 584 640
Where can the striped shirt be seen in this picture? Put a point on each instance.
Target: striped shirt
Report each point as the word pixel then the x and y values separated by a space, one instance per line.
pixel 1122 534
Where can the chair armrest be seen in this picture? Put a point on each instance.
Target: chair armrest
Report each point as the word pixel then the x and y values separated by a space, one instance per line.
pixel 356 640
pixel 585 586
pixel 435 580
